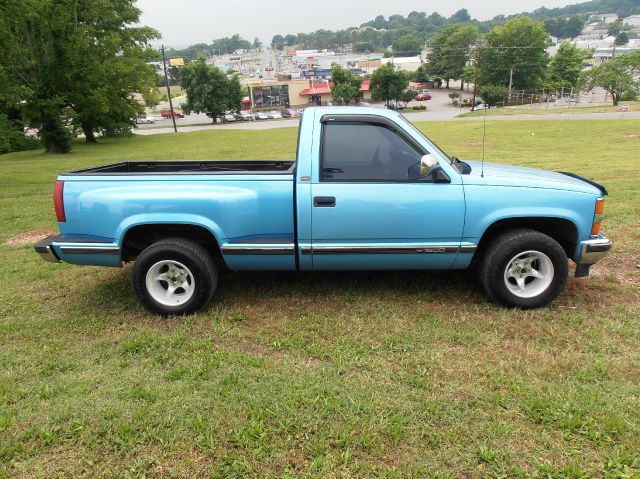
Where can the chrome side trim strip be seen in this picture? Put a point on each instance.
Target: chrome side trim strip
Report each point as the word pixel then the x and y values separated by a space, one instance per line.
pixel 87 248
pixel 426 249
pixel 259 249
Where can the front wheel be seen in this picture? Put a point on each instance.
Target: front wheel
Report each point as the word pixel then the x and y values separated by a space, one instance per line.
pixel 524 268
pixel 174 276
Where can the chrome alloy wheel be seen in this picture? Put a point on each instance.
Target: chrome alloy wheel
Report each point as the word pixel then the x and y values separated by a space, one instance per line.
pixel 170 283
pixel 528 274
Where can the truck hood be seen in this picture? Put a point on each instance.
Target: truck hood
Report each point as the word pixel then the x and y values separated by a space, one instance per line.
pixel 508 175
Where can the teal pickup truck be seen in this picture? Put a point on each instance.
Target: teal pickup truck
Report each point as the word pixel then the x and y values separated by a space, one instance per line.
pixel 367 191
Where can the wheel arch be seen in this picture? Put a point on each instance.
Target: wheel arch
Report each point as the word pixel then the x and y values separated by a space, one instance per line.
pixel 563 230
pixel 136 237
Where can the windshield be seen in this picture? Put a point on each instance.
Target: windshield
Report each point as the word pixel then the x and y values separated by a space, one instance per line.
pixel 431 143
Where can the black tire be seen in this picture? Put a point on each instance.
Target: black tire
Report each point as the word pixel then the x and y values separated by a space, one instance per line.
pixel 194 257
pixel 506 247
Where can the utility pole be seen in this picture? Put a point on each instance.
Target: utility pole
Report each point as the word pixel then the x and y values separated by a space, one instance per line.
pixel 166 82
pixel 510 83
pixel 475 82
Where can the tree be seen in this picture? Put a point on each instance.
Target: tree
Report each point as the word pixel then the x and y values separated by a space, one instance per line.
pixel 492 94
pixel 618 76
pixel 421 75
pixel 469 75
pixel 58 55
pixel 407 45
pixel 257 44
pixel 112 70
pixel 209 90
pixel 346 85
pixel 461 16
pixel 450 51
pixel 277 42
pixel 230 44
pixel 565 27
pixel 566 66
pixel 387 83
pixel 519 46
pixel 622 38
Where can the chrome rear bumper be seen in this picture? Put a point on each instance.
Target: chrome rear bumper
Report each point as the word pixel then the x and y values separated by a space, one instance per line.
pixel 44 249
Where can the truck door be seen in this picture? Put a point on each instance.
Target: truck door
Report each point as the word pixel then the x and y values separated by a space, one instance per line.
pixel 368 213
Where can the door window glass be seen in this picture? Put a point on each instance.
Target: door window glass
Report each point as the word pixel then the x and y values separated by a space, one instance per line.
pixel 366 152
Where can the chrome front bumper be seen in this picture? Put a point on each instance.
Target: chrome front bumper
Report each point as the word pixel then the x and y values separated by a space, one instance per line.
pixel 44 249
pixel 594 249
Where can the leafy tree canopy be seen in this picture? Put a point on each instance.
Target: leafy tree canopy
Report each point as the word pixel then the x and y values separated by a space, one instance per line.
pixel 387 83
pixel 619 77
pixel 74 58
pixel 408 45
pixel 450 51
pixel 346 85
pixel 518 45
pixel 209 90
pixel 566 66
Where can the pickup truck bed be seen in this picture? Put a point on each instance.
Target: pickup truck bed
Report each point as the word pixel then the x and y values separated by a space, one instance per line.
pixel 190 168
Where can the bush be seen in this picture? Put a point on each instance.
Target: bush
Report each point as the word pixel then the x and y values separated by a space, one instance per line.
pixel 492 94
pixel 13 139
pixel 629 96
pixel 419 107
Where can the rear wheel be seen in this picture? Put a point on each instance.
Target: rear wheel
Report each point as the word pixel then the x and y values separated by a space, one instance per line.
pixel 524 268
pixel 174 276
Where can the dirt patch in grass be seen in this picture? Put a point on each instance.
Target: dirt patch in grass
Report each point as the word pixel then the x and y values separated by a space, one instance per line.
pixel 622 268
pixel 633 136
pixel 29 237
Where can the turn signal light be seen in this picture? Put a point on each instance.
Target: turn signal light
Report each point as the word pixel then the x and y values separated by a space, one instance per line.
pixel 597 217
pixel 58 201
pixel 599 206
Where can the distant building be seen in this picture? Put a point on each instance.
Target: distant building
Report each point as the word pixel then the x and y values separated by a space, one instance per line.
pixel 603 17
pixel 294 94
pixel 410 64
pixel 633 20
pixel 369 66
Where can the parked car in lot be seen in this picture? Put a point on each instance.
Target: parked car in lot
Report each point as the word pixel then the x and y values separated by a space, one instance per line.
pixel 289 113
pixel 145 120
pixel 262 116
pixel 228 118
pixel 245 116
pixel 274 115
pixel 368 191
pixel 363 103
pixel 423 96
pixel 167 113
pixel 395 105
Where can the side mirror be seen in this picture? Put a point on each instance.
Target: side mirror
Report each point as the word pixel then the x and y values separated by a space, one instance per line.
pixel 427 164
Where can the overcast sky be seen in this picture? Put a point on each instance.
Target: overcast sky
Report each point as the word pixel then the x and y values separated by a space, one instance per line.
pixel 186 22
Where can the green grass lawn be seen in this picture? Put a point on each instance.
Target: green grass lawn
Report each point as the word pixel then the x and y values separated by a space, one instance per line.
pixel 323 375
pixel 538 109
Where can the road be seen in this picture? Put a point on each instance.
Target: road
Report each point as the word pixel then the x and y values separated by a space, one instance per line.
pixel 439 109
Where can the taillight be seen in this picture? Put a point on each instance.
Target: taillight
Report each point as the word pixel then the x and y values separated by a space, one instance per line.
pixel 597 217
pixel 58 201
